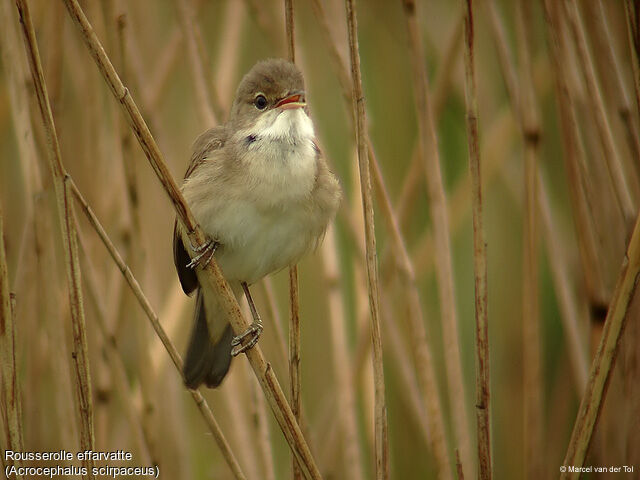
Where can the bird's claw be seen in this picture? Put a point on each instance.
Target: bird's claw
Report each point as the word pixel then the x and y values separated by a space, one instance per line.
pixel 253 333
pixel 207 249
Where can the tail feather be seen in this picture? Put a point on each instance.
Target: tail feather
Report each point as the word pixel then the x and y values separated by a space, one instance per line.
pixel 206 362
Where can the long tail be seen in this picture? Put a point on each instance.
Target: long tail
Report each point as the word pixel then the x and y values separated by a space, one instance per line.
pixel 206 362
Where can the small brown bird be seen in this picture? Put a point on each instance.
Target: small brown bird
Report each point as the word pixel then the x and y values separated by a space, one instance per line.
pixel 263 194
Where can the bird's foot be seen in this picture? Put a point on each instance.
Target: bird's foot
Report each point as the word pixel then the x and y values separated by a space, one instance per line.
pixel 251 334
pixel 207 249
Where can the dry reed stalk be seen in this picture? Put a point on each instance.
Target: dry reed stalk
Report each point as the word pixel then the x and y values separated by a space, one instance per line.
pixel 339 63
pixel 345 387
pixel 412 395
pixel 525 98
pixel 442 87
pixel 257 9
pixel 420 346
pixel 294 295
pixel 155 323
pixel 601 368
pixel 632 12
pixel 172 311
pixel 459 470
pixel 425 370
pixel 203 96
pixel 229 53
pixel 596 15
pixel 428 144
pixel 162 70
pixel 574 157
pixel 571 308
pixel 9 389
pixel 596 104
pixel 294 353
pixel 483 405
pixel 80 352
pixel 290 27
pixel 273 312
pixel 135 251
pixel 115 362
pixel 262 429
pixel 496 140
pixel 213 276
pixel 566 297
pixel 381 439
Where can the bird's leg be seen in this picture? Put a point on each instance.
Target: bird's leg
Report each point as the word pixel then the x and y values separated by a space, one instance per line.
pixel 207 249
pixel 254 330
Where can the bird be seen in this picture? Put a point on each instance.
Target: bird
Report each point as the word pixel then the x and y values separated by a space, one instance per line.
pixel 263 194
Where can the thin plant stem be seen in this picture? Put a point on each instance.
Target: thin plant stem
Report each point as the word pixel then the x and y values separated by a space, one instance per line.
pixel 345 391
pixel 294 352
pixel 422 352
pixel 203 96
pixel 213 276
pixel 532 361
pixel 9 389
pixel 483 397
pixel 602 366
pixel 632 11
pixel 69 239
pixel 294 294
pixel 566 298
pixel 290 28
pixel 262 429
pixel 381 439
pixel 155 323
pixel 601 33
pixel 573 157
pixel 115 361
pixel 598 111
pixel 442 87
pixel 428 144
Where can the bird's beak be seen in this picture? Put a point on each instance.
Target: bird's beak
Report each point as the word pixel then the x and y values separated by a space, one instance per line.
pixel 292 101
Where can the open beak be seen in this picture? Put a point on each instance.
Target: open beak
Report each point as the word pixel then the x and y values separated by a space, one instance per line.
pixel 292 101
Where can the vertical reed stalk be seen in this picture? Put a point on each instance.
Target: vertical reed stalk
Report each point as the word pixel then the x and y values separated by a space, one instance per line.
pixel 483 405
pixel 345 388
pixel 600 32
pixel 602 366
pixel 429 152
pixel 80 353
pixel 573 157
pixel 566 297
pixel 294 300
pixel 294 353
pixel 381 440
pixel 203 96
pixel 213 275
pixel 262 428
pixel 532 361
pixel 9 390
pixel 598 111
pixel 632 11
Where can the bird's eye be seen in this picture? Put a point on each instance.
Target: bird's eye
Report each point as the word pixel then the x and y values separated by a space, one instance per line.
pixel 260 102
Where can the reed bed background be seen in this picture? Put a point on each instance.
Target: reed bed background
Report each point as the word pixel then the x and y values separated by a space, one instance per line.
pixel 494 265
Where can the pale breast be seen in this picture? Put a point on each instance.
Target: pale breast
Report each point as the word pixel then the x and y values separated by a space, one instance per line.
pixel 265 218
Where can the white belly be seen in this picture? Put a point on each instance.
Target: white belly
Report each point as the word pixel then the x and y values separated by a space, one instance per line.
pixel 255 244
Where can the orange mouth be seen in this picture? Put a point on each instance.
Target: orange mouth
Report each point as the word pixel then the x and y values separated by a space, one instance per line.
pixel 292 101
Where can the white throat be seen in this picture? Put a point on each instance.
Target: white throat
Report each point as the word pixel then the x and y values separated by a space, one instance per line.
pixel 280 155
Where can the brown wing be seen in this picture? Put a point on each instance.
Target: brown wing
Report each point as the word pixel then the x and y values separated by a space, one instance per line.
pixel 206 143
